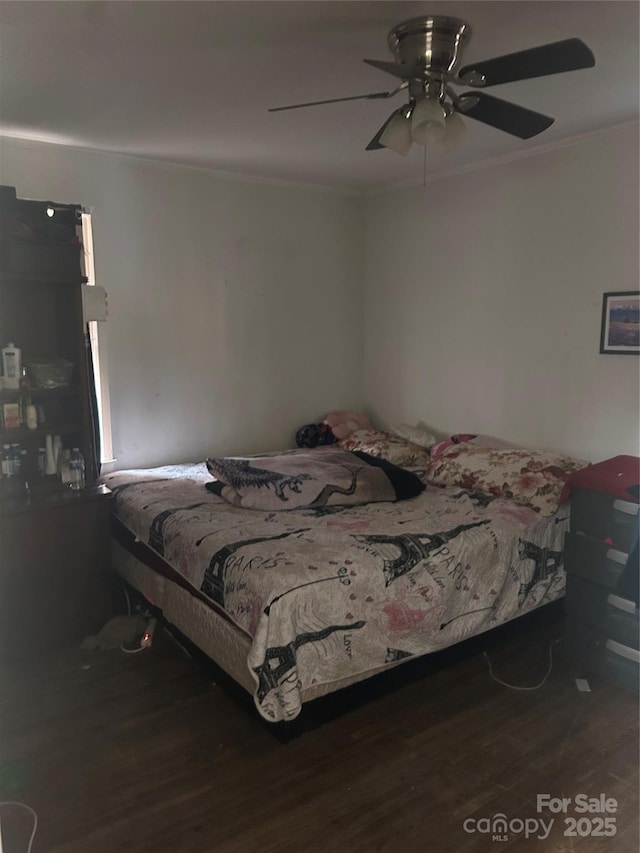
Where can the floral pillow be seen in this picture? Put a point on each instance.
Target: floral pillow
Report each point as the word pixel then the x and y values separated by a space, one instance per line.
pixel 394 449
pixel 533 478
pixel 463 438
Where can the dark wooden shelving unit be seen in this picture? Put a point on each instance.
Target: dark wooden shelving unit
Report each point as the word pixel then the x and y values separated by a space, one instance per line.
pixel 54 543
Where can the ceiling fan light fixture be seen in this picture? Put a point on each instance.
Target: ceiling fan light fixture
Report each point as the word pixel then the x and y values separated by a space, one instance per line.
pixel 428 121
pixel 427 53
pixel 455 132
pixel 397 134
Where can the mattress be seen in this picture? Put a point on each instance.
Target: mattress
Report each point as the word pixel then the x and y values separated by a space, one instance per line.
pixel 218 638
pixel 320 598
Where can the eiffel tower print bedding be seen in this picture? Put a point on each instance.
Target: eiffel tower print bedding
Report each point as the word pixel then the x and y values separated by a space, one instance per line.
pixel 335 592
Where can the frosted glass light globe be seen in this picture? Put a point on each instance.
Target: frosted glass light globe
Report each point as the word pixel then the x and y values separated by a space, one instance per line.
pixel 428 121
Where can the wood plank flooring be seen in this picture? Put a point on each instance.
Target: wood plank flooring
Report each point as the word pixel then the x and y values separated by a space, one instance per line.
pixel 130 753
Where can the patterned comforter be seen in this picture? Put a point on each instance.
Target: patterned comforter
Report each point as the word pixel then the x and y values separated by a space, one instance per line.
pixel 336 592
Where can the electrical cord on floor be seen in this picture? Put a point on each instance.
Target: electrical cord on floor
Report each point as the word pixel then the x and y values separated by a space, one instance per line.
pixel 533 687
pixel 128 600
pixel 143 643
pixel 33 814
pixel 135 651
pixel 138 648
pixel 138 608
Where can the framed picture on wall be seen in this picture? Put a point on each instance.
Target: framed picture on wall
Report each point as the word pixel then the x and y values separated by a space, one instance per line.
pixel 620 330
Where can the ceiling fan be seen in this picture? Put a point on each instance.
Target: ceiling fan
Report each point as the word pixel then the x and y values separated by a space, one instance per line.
pixel 428 52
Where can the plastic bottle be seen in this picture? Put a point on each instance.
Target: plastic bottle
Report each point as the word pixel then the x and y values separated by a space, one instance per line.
pixel 11 366
pixel 76 470
pixel 32 417
pixel 11 463
pixel 52 464
pixel 42 460
pixel 64 468
pixel 57 450
pixel 5 461
pixel 16 462
pixel 17 485
pixel 24 482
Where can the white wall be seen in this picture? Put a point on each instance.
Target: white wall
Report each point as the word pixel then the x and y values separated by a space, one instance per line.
pixel 483 300
pixel 235 307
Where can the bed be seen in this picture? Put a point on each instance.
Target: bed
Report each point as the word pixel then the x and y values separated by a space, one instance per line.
pixel 297 604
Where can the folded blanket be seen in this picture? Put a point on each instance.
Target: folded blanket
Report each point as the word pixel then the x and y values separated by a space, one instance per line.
pixel 310 478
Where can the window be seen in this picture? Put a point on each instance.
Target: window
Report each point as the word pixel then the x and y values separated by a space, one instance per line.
pixel 98 350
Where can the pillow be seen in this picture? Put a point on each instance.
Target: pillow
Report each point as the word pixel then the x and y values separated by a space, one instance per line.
pixel 383 445
pixel 309 479
pixel 416 435
pixel 464 438
pixel 345 422
pixel 533 478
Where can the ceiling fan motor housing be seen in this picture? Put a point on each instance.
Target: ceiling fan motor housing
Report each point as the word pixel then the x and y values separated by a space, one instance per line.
pixel 434 42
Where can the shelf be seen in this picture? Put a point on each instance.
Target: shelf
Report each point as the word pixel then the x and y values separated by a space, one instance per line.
pixel 15 436
pixel 29 278
pixel 51 495
pixel 7 394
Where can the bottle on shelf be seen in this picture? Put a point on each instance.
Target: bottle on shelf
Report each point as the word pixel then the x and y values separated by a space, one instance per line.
pixel 57 449
pixel 76 470
pixel 12 365
pixel 12 483
pixel 42 461
pixel 16 461
pixel 28 412
pixel 64 468
pixel 11 415
pixel 23 477
pixel 32 416
pixel 52 464
pixel 5 467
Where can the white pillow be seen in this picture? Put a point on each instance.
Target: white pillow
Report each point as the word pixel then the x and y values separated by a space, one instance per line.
pixel 416 435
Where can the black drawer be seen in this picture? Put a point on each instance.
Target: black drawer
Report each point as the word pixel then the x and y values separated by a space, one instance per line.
pixel 593 560
pixel 615 616
pixel 590 650
pixel 603 517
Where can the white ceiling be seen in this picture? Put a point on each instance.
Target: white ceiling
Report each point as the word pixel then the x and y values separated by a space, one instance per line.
pixel 190 82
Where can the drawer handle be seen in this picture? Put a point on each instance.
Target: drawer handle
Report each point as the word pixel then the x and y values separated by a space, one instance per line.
pixel 621 603
pixel 623 651
pixel 626 507
pixel 617 556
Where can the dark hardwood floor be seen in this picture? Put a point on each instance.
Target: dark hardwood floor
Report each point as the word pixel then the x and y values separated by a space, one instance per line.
pixel 125 753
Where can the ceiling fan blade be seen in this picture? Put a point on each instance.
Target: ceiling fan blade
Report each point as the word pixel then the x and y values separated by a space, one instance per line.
pixel 372 96
pixel 511 118
pixel 375 144
pixel 398 69
pixel 554 58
